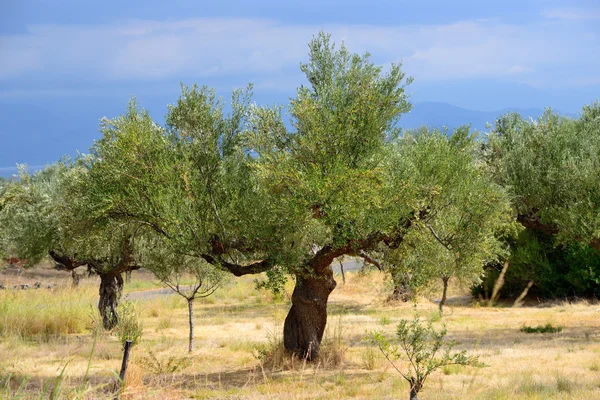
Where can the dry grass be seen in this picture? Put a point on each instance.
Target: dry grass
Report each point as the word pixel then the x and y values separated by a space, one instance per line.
pixel 238 321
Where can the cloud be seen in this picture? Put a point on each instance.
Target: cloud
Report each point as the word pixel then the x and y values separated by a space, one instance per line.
pixel 572 14
pixel 268 52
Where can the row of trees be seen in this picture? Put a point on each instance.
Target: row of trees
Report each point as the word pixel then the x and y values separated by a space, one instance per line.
pixel 253 190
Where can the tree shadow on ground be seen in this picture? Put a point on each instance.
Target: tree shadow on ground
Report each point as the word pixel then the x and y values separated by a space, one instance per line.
pixel 250 377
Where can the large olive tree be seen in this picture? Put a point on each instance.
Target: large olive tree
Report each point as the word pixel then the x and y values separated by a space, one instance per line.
pixel 332 175
pixel 247 195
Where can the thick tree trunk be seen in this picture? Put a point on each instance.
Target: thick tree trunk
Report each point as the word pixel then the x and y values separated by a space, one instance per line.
pixel 415 387
pixel 111 287
pixel 305 323
pixel 445 279
pixel 402 290
pixel 413 394
pixel 191 316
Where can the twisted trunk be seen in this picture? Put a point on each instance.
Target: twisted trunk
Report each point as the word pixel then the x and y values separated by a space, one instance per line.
pixel 415 388
pixel 305 323
pixel 111 287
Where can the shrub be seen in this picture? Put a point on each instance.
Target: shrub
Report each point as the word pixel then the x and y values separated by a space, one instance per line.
pixel 548 328
pixel 422 346
pixel 156 365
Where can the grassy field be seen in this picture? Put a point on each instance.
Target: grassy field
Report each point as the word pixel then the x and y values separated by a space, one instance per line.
pixel 51 347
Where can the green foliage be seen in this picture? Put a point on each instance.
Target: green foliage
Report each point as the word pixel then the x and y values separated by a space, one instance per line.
pixel 468 216
pixel 558 271
pixel 32 211
pixel 129 326
pixel 425 350
pixel 550 166
pixel 188 276
pixel 327 178
pixel 275 282
pixel 548 328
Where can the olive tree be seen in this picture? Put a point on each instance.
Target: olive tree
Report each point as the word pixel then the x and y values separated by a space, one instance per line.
pixel 424 350
pixel 188 186
pixel 190 277
pixel 47 214
pixel 331 176
pixel 242 192
pixel 468 215
pixel 550 167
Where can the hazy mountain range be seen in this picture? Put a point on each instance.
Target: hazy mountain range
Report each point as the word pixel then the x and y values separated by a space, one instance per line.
pixel 37 135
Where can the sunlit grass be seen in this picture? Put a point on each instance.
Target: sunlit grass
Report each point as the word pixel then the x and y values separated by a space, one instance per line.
pixel 46 313
pixel 238 321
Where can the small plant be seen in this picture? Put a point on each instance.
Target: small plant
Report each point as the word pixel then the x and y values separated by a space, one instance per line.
pixel 564 384
pixel 158 366
pixel 368 358
pixel 129 326
pixel 548 328
pixel 425 350
pixel 385 320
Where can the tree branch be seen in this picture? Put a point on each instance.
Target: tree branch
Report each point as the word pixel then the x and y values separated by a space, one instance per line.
pixel 237 269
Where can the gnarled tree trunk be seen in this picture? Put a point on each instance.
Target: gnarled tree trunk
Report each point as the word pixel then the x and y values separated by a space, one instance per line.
pixel 305 323
pixel 111 287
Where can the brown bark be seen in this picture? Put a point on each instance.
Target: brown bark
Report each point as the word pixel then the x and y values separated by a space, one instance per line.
pixel 415 388
pixel 445 279
pixel 305 323
pixel 111 287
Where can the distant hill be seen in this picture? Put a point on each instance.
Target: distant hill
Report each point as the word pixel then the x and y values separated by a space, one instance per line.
pixel 438 115
pixel 41 133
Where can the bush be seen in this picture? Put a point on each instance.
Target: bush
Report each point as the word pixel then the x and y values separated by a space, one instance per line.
pixel 548 328
pixel 423 346
pixel 158 366
pixel 565 270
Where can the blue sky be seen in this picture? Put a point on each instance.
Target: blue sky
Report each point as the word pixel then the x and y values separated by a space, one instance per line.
pixel 68 63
